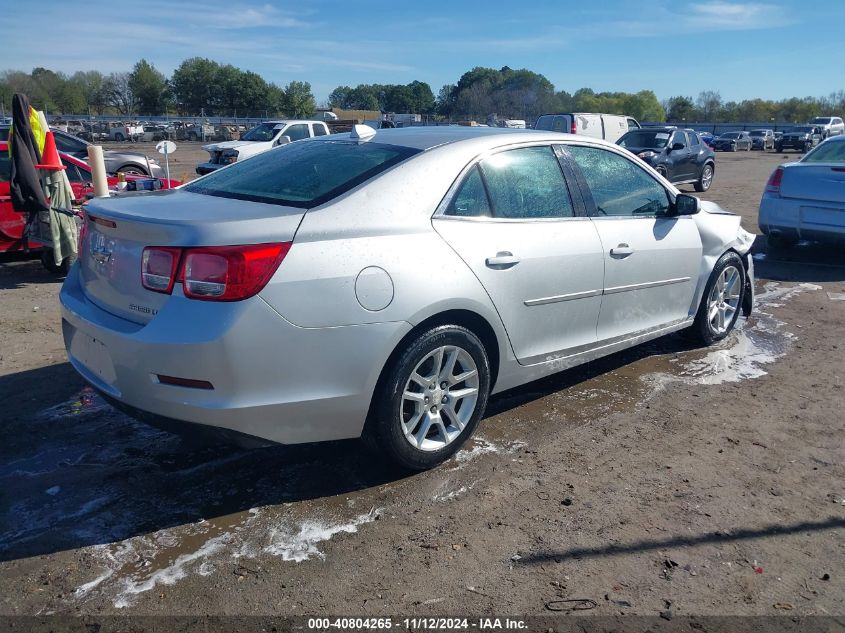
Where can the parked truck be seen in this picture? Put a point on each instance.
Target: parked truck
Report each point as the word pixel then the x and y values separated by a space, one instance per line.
pixel 126 132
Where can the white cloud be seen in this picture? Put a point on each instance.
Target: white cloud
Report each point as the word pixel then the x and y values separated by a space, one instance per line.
pixel 720 15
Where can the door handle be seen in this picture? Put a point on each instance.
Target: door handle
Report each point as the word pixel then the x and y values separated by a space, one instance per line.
pixel 621 251
pixel 502 260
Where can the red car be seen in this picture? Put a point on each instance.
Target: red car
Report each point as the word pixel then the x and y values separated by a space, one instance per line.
pixel 79 174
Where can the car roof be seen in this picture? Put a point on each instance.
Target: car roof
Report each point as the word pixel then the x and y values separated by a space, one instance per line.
pixel 429 137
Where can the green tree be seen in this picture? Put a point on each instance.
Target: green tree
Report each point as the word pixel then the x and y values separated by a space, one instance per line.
pixel 194 85
pixel 149 88
pixel 709 106
pixel 679 109
pixel 299 100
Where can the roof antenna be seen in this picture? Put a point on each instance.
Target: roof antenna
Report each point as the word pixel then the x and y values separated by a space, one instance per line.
pixel 362 133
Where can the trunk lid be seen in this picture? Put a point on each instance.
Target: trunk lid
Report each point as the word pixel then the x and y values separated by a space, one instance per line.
pixel 814 181
pixel 118 229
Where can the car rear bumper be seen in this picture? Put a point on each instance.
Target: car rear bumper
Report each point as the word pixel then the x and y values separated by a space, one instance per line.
pixel 800 219
pixel 207 168
pixel 271 379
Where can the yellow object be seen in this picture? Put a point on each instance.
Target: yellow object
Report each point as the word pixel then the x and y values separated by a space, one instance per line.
pixel 37 130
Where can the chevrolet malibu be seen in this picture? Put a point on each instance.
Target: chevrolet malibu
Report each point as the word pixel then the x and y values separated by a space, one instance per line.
pixel 384 284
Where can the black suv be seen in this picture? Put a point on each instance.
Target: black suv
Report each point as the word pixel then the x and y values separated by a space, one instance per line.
pixel 801 137
pixel 680 156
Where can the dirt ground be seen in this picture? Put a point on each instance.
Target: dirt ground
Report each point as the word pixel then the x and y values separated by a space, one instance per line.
pixel 664 479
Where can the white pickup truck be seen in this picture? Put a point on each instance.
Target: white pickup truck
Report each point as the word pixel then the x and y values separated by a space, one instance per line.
pixel 259 139
pixel 126 132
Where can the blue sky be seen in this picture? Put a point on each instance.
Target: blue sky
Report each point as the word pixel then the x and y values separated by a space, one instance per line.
pixel 768 49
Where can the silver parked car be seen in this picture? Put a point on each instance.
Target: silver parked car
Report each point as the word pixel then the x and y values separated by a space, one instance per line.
pixel 806 199
pixel 386 283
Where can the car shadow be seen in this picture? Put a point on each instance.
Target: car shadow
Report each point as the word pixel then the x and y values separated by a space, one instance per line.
pixel 76 472
pixel 19 269
pixel 80 473
pixel 809 262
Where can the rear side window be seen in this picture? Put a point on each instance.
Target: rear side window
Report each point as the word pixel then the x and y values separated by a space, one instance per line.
pixel 471 199
pixel 526 183
pixel 553 123
pixel 297 132
pixel 319 130
pixel 302 174
pixel 68 144
pixel 619 187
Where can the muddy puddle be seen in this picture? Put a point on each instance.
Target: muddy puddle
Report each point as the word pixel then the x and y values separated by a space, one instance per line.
pixel 144 510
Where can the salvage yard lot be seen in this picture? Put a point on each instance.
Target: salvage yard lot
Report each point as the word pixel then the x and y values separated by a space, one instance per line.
pixel 665 478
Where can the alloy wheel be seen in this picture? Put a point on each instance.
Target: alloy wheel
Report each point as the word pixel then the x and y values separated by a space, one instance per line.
pixel 723 301
pixel 439 398
pixel 706 177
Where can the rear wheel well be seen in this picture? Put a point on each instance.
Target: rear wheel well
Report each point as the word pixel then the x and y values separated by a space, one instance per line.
pixel 472 321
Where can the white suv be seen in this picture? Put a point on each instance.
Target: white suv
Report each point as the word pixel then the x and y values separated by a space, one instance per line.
pixel 830 125
pixel 259 139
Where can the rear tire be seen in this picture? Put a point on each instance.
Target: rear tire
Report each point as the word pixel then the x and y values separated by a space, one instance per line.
pixel 48 261
pixel 416 421
pixel 705 179
pixel 721 302
pixel 132 169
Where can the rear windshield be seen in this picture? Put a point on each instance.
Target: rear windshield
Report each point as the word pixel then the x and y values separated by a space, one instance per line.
pixel 553 123
pixel 643 139
pixel 302 174
pixel 830 152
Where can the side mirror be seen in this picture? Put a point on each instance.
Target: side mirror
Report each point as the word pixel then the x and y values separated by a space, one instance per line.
pixel 678 146
pixel 686 204
pixel 283 140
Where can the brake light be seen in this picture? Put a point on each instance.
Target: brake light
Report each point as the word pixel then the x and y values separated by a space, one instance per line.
pixel 573 129
pixel 212 273
pixel 773 186
pixel 158 268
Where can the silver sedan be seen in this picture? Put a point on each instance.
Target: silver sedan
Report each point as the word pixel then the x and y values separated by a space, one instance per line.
pixel 383 284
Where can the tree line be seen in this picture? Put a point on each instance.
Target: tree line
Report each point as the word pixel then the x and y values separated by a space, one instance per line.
pixel 198 86
pixel 202 86
pixel 709 107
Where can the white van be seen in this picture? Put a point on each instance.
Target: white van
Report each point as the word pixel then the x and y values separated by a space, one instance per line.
pixel 609 127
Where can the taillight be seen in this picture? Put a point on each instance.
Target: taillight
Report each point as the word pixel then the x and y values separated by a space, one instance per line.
pixel 212 273
pixel 158 268
pixel 573 129
pixel 773 186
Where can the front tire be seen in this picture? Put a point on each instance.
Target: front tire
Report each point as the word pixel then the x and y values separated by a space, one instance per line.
pixel 705 179
pixel 721 302
pixel 431 398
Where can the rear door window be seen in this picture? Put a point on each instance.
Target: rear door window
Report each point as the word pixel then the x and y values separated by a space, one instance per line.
pixel 297 132
pixel 319 130
pixel 526 183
